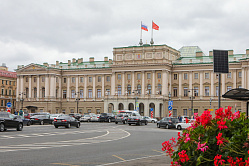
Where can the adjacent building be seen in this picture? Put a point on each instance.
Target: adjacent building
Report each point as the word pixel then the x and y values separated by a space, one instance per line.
pixel 143 77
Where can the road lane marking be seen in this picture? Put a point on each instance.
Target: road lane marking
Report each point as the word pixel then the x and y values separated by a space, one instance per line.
pixel 158 151
pixel 118 157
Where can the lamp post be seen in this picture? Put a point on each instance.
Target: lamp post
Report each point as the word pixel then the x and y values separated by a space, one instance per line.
pixel 135 92
pixel 107 94
pixel 210 102
pixel 77 100
pixel 22 99
pixel 192 101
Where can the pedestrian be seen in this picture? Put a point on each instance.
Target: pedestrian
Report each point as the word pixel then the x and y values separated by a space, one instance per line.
pixel 15 113
pixel 180 118
pixel 21 113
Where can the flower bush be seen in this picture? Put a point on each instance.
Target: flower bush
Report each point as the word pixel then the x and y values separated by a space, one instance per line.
pixel 222 140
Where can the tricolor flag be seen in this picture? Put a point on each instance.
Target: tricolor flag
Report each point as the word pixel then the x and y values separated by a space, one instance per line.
pixel 144 27
pixel 154 26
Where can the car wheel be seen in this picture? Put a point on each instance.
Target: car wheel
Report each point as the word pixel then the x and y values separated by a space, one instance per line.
pixel 109 120
pixel 42 123
pixel 146 123
pixel 68 125
pixel 88 120
pixel 1 127
pixel 116 122
pixel 19 127
pixel 179 127
pixel 152 121
pixel 56 126
pixel 158 125
pixel 166 126
pixel 28 124
pixel 78 125
pixel 124 122
pixel 129 124
pixel 140 123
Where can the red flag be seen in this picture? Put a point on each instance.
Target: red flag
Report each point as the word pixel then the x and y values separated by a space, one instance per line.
pixel 154 26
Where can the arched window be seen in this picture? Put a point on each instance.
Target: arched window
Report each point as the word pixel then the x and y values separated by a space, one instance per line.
pixel 139 89
pixel 43 92
pixel 35 92
pixel 27 93
pixel 119 90
pixel 129 89
pixel 149 89
pixel 159 89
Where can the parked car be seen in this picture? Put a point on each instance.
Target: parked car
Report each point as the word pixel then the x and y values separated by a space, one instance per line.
pixel 7 121
pixel 26 122
pixel 85 118
pixel 40 119
pixel 106 117
pixel 167 122
pixel 54 116
pixel 137 119
pixel 184 125
pixel 76 115
pixel 150 120
pixel 28 115
pixel 122 118
pixel 66 121
pixel 94 118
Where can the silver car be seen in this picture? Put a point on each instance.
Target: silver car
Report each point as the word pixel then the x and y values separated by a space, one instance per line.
pixel 94 118
pixel 150 120
pixel 85 118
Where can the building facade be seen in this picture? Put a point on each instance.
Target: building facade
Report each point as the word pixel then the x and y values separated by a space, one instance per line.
pixel 143 77
pixel 8 88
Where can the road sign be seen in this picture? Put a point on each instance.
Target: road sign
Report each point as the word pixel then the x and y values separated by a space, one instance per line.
pixel 170 107
pixel 151 114
pixel 170 103
pixel 170 113
pixel 9 104
pixel 8 109
pixel 211 109
pixel 151 109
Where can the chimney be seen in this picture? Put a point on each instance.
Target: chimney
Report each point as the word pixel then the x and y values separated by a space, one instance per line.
pixel 57 63
pixel 74 60
pixel 247 51
pixel 91 59
pixel 199 54
pixel 110 60
pixel 69 62
pixel 230 52
pixel 106 58
pixel 80 60
pixel 45 64
pixel 211 53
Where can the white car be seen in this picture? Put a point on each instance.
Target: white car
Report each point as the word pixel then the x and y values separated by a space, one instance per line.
pixel 54 116
pixel 94 118
pixel 150 120
pixel 184 125
pixel 85 118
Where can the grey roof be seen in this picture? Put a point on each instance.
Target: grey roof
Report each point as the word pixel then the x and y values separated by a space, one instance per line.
pixel 189 51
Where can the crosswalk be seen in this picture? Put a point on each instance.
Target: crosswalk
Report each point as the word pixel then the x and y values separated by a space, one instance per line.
pixel 109 135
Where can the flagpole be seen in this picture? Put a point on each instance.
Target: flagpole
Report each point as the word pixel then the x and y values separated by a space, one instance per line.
pixel 141 42
pixel 152 42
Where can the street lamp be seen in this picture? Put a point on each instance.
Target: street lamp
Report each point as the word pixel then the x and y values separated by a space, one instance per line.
pixel 210 103
pixel 135 92
pixel 169 96
pixel 191 98
pixel 77 100
pixel 22 99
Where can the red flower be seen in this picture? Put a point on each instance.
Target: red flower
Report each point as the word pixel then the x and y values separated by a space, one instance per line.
pixel 231 161
pixel 247 162
pixel 205 118
pixel 239 161
pixel 183 156
pixel 220 139
pixel 221 124
pixel 218 161
pixel 179 136
pixel 219 114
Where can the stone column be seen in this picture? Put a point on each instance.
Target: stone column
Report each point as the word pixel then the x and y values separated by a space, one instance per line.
pixel 133 82
pixel 143 84
pixel 191 81
pixel 103 86
pixel 38 87
pixel 212 84
pixel 113 84
pixel 85 87
pixel 17 88
pixel 94 91
pixel 77 87
pixel 153 83
pixel 123 83
pixel 68 87
pixel 21 84
pixel 223 84
pixel 164 82
pixel 243 77
pixel 201 85
pixel 60 88
pixel 30 87
pixel 234 77
pixel 47 86
pixel 180 84
pixel 52 86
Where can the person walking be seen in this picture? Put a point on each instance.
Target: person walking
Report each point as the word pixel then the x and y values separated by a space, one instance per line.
pixel 180 118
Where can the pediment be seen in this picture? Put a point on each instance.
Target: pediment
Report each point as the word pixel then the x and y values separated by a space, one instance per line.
pixel 98 86
pixel 227 83
pixel 33 67
pixel 175 84
pixel 81 86
pixel 206 83
pixel 185 84
pixel 196 83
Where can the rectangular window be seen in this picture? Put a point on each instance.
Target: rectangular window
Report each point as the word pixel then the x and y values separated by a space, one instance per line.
pixel 196 75
pixel 229 75
pixel 10 82
pixel 119 76
pixel 27 80
pixel 73 93
pixel 206 75
pixel 56 93
pixel 107 92
pixel 138 76
pixel 64 94
pixel 158 75
pixel 89 79
pixel 148 76
pixel 2 91
pixel 174 112
pixel 229 88
pixel 128 76
pixel 217 91
pixel 196 111
pixel 99 78
pixel 90 93
pixel 57 79
pixel 34 79
pixel 43 79
pixel 196 91
pixel 10 92
pixel 185 112
pixel 14 83
pixel 206 90
pixel 175 92
pixel 73 79
pixel 240 74
pixel 65 80
pixel 98 93
pixel 81 93
pixel 72 111
pixel 108 79
pixel 175 76
pixel 239 86
pixel 2 81
pixel 185 90
pixel 98 111
pixel 89 110
pixel 185 76
pixel 81 79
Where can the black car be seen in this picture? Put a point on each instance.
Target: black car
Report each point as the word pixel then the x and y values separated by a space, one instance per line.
pixel 123 118
pixel 66 121
pixel 137 119
pixel 7 120
pixel 76 115
pixel 106 117
pixel 40 119
pixel 168 122
pixel 26 122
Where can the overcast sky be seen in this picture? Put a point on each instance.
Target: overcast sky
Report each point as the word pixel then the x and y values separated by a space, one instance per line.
pixel 37 31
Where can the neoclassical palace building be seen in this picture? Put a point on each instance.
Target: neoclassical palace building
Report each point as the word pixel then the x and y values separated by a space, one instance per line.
pixel 143 77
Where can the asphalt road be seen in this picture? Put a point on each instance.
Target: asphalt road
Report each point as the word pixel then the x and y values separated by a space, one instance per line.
pixel 92 144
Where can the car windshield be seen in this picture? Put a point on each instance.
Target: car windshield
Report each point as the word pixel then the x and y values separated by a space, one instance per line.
pixel 87 116
pixel 134 114
pixel 175 120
